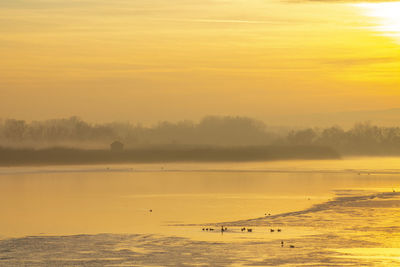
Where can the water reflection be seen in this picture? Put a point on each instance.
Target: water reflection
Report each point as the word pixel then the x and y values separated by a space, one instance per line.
pixel 327 212
pixel 65 200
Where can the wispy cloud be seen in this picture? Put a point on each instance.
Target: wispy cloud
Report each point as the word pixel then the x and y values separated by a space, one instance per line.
pixel 270 21
pixel 360 61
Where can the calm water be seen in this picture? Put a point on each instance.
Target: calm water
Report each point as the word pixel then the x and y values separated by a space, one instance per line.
pixel 63 202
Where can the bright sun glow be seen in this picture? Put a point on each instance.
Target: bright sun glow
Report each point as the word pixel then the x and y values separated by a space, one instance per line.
pixel 388 15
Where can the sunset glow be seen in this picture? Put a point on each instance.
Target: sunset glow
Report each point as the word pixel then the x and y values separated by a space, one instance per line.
pixel 387 15
pixel 150 61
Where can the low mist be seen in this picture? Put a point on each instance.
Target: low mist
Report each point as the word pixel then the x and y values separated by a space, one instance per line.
pixel 211 131
pixel 74 132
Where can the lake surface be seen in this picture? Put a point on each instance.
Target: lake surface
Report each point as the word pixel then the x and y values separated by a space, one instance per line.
pixel 336 211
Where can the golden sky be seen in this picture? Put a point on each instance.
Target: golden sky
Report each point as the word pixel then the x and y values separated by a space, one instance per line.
pixel 153 60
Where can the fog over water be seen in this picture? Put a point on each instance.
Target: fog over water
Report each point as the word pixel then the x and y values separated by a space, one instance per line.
pixel 360 139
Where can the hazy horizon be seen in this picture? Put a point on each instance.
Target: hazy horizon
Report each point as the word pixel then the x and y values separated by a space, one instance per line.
pixel 211 134
pixel 345 119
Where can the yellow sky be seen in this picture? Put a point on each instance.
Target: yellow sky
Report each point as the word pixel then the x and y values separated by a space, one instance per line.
pixel 183 59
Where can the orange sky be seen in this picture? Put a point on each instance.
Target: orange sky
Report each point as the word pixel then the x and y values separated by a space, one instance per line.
pixel 183 59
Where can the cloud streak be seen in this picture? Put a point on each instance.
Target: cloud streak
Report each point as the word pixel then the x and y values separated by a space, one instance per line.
pixel 360 61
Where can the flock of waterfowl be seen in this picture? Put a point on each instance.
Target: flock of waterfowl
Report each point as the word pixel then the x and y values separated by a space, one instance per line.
pixel 244 229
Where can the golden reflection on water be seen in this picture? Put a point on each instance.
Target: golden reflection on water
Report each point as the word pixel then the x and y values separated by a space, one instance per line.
pixel 385 256
pixel 73 203
pixel 118 199
pixel 358 227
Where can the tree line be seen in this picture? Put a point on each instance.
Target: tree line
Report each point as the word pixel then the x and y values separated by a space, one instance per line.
pixel 362 138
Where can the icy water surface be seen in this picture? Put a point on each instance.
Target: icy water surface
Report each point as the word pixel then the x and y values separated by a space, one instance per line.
pixel 330 213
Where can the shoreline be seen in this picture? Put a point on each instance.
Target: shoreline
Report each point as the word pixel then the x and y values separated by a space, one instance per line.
pixel 71 156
